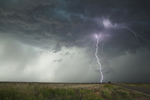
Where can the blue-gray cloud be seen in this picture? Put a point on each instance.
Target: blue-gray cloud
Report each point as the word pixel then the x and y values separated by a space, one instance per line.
pixel 57 24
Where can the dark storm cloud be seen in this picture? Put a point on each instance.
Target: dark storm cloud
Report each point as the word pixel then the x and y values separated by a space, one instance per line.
pixel 52 24
pixel 76 19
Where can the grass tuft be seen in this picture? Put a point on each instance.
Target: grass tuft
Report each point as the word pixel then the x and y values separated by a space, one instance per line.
pixel 109 86
pixel 106 94
pixel 8 94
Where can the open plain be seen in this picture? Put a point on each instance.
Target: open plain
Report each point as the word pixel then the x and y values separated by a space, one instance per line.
pixel 67 91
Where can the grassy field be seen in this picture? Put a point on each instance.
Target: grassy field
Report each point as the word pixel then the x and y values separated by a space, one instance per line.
pixel 51 91
pixel 144 85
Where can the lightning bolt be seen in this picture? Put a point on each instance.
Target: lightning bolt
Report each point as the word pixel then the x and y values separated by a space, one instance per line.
pixel 91 65
pixel 100 66
pixel 143 38
pixel 136 37
pixel 102 48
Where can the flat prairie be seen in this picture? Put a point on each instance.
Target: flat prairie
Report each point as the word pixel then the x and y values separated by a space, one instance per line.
pixel 66 91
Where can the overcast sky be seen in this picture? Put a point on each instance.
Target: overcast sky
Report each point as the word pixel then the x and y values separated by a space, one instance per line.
pixel 54 40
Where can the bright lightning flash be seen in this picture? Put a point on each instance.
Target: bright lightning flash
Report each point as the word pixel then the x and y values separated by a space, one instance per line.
pixel 98 58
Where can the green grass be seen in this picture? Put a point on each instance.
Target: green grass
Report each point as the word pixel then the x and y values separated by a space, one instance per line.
pixel 92 96
pixel 124 94
pixel 8 94
pixel 31 91
pixel 136 95
pixel 106 94
pixel 109 86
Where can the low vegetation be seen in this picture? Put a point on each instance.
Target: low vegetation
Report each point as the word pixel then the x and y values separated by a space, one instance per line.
pixel 143 85
pixel 41 91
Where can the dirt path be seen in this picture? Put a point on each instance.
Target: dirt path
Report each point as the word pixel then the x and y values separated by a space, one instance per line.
pixel 139 89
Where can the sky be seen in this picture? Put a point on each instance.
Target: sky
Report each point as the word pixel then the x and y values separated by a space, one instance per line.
pixel 54 40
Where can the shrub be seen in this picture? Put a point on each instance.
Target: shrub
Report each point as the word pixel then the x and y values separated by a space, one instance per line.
pixel 109 82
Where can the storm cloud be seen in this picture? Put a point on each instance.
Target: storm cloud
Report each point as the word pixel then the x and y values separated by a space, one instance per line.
pixel 64 33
